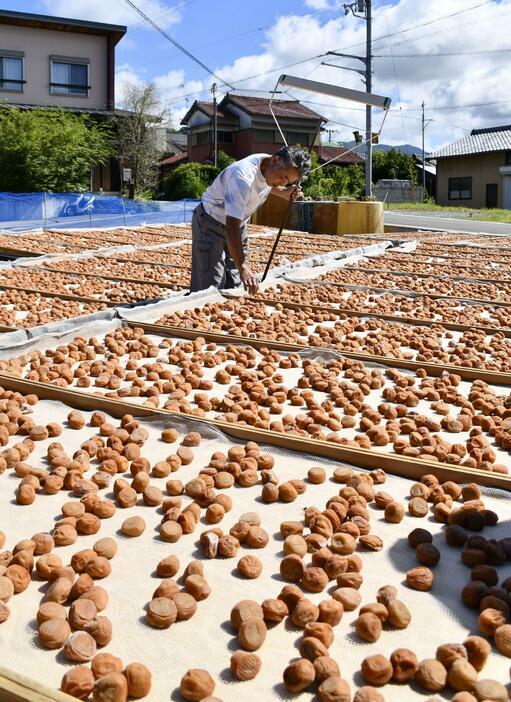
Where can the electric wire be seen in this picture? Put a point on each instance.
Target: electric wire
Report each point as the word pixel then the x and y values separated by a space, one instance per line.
pixel 318 56
pixel 212 43
pixel 395 76
pixel 444 53
pixel 176 43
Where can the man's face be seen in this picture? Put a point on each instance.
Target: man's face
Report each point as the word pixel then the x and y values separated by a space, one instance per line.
pixel 280 176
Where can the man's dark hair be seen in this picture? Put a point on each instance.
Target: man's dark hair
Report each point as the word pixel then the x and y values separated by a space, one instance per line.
pixel 295 158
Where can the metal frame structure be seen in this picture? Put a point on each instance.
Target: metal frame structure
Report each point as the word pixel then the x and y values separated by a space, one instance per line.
pixel 337 91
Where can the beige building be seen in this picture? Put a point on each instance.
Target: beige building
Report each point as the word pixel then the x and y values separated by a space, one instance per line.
pixel 476 170
pixel 55 62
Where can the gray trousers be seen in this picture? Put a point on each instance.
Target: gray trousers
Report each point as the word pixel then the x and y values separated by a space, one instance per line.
pixel 211 261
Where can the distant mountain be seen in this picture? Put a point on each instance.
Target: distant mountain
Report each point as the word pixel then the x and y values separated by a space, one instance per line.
pixel 404 148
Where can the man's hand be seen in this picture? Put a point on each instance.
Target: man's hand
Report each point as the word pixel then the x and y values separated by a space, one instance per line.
pixel 296 192
pixel 249 280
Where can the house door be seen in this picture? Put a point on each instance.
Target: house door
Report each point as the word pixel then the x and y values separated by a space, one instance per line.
pixel 492 194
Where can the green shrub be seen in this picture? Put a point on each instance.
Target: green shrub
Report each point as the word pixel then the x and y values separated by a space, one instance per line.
pixel 332 181
pixel 49 150
pixel 189 180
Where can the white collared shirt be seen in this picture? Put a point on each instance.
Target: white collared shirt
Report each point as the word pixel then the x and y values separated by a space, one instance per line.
pixel 238 191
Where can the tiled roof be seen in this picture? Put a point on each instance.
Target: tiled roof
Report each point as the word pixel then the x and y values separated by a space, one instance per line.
pixel 281 108
pixel 172 160
pixel 207 107
pixel 487 130
pixel 480 141
pixel 341 155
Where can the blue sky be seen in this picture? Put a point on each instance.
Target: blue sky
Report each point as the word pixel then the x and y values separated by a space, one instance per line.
pixel 239 39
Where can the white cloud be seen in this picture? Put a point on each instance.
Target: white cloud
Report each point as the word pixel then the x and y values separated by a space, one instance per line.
pixel 125 76
pixel 440 81
pixel 115 12
pixel 170 88
pixel 318 4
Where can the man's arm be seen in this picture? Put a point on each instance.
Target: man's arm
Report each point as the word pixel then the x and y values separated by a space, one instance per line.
pixel 235 246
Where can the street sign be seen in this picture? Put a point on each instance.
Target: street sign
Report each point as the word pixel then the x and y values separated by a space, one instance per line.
pixel 126 174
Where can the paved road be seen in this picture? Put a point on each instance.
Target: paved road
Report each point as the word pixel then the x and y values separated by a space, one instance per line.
pixel 424 221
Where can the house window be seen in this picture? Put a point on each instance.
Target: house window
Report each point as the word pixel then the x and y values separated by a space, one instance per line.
pixel 294 138
pixel 507 157
pixel 202 138
pixel 11 71
pixel 224 137
pixel 460 188
pixel 69 76
pixel 263 136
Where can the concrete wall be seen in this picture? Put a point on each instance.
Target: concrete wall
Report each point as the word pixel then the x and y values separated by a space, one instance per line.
pixel 397 191
pixel 38 45
pixel 483 168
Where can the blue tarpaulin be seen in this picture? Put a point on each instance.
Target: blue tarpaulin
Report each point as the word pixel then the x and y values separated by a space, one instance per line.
pixel 22 211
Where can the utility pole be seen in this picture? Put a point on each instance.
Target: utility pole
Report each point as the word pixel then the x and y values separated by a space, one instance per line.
pixel 369 82
pixel 424 125
pixel 215 125
pixel 362 9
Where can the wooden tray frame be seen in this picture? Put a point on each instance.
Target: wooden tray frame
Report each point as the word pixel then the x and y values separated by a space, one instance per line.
pixel 409 293
pixel 365 458
pixel 19 688
pixel 506 281
pixel 119 279
pixel 435 369
pixel 418 322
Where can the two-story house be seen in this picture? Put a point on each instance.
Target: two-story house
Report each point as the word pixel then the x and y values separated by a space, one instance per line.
pixel 55 62
pixel 246 126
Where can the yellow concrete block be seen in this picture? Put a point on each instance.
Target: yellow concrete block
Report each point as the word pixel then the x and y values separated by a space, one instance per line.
pixel 360 218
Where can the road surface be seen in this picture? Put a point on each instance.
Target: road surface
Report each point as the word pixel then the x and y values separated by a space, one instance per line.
pixel 424 221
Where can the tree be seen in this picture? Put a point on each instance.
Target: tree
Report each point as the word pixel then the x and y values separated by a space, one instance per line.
pixel 189 180
pixel 136 148
pixel 393 164
pixel 224 160
pixel 333 181
pixel 50 150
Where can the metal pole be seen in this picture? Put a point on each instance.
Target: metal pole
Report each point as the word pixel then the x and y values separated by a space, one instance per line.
pixel 423 156
pixel 44 209
pixel 123 209
pixel 369 135
pixel 277 239
pixel 215 126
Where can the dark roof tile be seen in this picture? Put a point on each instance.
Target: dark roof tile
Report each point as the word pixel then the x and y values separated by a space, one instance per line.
pixel 341 155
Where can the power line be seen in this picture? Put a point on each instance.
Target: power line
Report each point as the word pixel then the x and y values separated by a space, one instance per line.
pixel 176 43
pixel 212 43
pixel 173 8
pixel 428 22
pixel 318 56
pixel 461 107
pixel 450 29
pixel 444 53
pixel 253 77
pixel 390 114
pixel 395 75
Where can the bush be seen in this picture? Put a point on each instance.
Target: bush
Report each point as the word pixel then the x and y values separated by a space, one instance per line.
pixel 332 181
pixel 394 164
pixel 49 150
pixel 224 160
pixel 192 179
pixel 189 180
